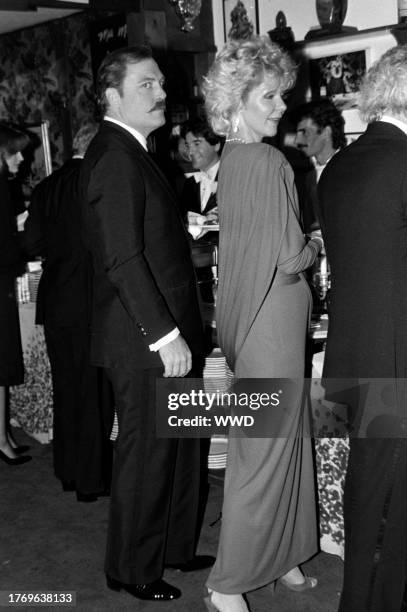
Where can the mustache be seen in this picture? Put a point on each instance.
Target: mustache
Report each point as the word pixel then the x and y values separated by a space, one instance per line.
pixel 160 105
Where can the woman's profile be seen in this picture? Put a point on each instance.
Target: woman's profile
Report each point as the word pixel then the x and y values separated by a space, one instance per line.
pixel 269 524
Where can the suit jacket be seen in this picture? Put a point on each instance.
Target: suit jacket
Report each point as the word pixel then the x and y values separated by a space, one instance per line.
pixel 191 198
pixel 144 282
pixel 191 201
pixel 52 230
pixel 363 210
pixel 308 200
pixel 306 183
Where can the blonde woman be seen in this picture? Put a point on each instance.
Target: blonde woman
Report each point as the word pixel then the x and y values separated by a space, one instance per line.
pixel 269 521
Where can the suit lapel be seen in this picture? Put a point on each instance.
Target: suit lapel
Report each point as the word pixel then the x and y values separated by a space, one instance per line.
pixel 157 171
pixel 143 154
pixel 211 203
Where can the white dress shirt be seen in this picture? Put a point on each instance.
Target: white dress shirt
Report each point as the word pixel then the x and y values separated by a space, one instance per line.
pixel 208 183
pixel 397 122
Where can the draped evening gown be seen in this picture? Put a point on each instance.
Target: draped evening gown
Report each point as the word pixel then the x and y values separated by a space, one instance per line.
pixel 269 520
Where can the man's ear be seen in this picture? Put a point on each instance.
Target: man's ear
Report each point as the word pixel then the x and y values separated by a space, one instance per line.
pixel 328 131
pixel 112 96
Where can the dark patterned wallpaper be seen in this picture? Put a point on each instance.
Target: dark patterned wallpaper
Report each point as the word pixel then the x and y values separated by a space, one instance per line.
pixel 45 74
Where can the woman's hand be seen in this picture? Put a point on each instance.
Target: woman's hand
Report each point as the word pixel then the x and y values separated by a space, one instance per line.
pixel 316 235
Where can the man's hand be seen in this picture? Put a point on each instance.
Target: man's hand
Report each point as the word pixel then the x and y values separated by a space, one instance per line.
pixel 195 222
pixel 176 358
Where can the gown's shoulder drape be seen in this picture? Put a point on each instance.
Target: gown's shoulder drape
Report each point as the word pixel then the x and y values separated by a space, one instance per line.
pixel 254 195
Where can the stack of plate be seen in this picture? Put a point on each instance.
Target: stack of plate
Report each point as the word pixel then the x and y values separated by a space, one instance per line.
pixel 217 375
pixel 218 453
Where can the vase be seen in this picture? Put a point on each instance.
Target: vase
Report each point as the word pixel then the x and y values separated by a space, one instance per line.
pixel 331 13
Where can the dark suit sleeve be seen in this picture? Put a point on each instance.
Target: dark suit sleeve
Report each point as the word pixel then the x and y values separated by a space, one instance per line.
pixel 116 193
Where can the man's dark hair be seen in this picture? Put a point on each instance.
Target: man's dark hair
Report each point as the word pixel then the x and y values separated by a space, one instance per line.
pixel 324 113
pixel 199 127
pixel 112 70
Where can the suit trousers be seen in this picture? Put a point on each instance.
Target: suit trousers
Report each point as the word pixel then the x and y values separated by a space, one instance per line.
pixel 375 513
pixel 155 494
pixel 83 411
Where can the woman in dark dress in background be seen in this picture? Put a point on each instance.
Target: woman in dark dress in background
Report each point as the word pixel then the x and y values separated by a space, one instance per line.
pixel 12 142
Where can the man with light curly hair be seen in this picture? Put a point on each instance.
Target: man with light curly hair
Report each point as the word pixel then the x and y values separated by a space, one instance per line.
pixel 363 197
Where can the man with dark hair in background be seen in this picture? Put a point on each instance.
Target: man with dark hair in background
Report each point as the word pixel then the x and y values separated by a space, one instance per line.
pixel 198 197
pixel 82 401
pixel 145 324
pixel 204 148
pixel 319 135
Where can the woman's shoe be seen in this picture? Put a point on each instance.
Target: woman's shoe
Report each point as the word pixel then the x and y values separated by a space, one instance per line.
pixel 14 460
pixel 309 583
pixel 222 602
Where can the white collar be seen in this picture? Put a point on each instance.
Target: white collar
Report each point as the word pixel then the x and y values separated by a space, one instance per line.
pixel 139 137
pixel 209 174
pixel 402 125
pixel 317 165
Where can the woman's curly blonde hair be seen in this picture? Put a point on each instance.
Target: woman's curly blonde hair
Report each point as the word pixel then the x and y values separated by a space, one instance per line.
pixel 384 88
pixel 239 67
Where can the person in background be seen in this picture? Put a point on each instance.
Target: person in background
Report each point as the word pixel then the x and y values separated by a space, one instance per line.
pixel 83 408
pixel 145 325
pixel 363 204
pixel 319 135
pixel 198 198
pixel 269 521
pixel 12 142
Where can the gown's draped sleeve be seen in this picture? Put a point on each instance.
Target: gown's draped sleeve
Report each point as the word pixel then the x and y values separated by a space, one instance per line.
pixel 256 200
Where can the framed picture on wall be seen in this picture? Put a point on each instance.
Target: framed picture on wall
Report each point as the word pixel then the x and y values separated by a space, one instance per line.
pixel 338 76
pixel 40 152
pixel 336 67
pixel 252 11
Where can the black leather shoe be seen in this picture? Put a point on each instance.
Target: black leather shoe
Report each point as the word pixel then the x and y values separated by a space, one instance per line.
pixel 159 590
pixel 68 485
pixel 14 460
pixel 199 562
pixel 86 497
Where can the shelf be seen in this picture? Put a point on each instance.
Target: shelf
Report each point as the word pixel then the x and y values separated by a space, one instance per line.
pixel 399 31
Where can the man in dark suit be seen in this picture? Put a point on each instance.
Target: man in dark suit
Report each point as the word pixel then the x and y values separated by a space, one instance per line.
pixel 198 197
pixel 204 148
pixel 145 324
pixel 363 196
pixel 319 135
pixel 82 399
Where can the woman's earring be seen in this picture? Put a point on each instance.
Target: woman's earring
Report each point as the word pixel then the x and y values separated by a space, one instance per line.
pixel 235 125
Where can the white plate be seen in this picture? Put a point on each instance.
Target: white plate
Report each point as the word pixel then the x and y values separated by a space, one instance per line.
pixel 210 226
